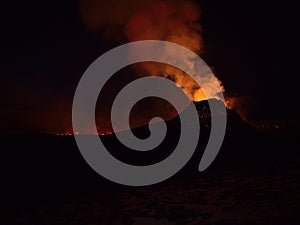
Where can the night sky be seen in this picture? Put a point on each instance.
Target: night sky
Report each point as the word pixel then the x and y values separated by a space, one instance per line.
pixel 46 48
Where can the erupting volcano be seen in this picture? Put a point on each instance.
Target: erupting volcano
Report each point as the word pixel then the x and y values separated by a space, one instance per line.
pixel 218 147
pixel 173 21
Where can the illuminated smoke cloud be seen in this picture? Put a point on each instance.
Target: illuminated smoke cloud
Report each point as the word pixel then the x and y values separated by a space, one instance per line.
pixel 175 21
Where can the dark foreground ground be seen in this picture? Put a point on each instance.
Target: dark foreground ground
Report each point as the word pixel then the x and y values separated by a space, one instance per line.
pixel 256 181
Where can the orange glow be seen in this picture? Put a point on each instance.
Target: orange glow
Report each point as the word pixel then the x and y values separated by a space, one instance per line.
pixel 174 21
pixel 199 96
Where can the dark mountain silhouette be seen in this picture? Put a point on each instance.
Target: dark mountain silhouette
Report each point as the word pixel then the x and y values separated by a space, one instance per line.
pixel 48 171
pixel 238 132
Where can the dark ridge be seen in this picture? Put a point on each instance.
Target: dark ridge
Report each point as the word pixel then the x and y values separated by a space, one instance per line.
pixel 49 169
pixel 237 130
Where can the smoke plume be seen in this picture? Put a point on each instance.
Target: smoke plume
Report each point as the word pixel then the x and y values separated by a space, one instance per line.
pixel 176 21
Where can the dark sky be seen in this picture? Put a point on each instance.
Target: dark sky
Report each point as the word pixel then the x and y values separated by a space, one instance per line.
pixel 45 48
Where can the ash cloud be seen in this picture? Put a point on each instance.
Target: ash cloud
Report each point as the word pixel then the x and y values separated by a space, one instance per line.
pixel 174 21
